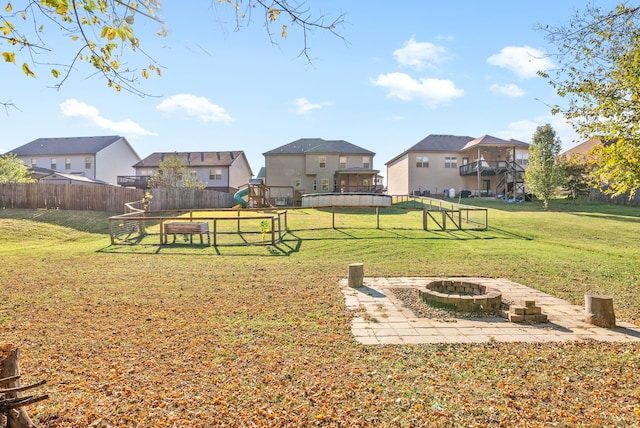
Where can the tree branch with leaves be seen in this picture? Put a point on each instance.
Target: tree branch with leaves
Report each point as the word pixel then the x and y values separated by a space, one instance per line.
pixel 105 33
pixel 598 54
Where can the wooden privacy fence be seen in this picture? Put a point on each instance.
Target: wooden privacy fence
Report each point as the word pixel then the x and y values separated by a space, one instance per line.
pixel 185 199
pixel 77 197
pixel 106 198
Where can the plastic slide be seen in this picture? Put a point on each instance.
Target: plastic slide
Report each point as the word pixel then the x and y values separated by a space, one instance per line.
pixel 239 197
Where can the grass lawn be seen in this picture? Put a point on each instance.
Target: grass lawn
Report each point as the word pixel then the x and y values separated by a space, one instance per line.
pixel 179 336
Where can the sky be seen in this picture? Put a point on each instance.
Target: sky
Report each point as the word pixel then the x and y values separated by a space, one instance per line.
pixel 396 73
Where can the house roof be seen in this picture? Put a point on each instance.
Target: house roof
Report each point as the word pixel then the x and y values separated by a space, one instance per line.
pixel 193 159
pixel 436 143
pixel 318 145
pixel 454 143
pixel 440 143
pixel 66 146
pixel 583 148
pixel 72 177
pixel 491 141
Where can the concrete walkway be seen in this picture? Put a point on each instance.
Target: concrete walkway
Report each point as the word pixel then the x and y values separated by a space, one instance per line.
pixel 381 319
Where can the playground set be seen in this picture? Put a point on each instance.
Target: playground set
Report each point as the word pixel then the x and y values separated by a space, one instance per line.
pixel 257 195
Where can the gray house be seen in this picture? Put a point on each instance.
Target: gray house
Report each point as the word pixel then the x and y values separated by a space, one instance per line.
pixel 224 171
pixel 100 159
pixel 314 165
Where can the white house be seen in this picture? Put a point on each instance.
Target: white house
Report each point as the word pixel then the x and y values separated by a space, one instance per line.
pixel 101 158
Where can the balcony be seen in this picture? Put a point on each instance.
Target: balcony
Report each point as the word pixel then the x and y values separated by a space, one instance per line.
pixel 488 167
pixel 139 182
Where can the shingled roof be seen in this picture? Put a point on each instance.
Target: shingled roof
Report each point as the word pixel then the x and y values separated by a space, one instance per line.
pixel 440 143
pixel 192 159
pixel 454 143
pixel 318 145
pixel 66 146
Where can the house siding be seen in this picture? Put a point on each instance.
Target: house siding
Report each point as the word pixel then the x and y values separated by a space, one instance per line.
pixel 239 172
pixel 398 176
pixel 405 177
pixel 114 160
pixel 284 170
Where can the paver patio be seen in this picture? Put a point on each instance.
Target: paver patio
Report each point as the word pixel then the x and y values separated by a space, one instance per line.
pixel 387 321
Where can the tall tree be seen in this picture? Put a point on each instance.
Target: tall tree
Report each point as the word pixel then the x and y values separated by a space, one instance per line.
pixel 543 176
pixel 13 170
pixel 173 173
pixel 598 54
pixel 104 32
pixel 575 171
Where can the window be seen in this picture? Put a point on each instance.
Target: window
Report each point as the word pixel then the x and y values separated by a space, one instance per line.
pixel 87 162
pixel 67 163
pixel 215 174
pixel 34 161
pixel 298 182
pixel 343 162
pixel 522 158
pixel 450 162
pixel 366 162
pixel 465 161
pixel 366 183
pixel 323 161
pixel 54 163
pixel 325 184
pixel 422 161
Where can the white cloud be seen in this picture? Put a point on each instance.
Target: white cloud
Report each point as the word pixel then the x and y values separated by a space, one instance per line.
pixel 525 61
pixel 75 108
pixel 509 89
pixel 192 106
pixel 420 54
pixel 406 88
pixel 304 106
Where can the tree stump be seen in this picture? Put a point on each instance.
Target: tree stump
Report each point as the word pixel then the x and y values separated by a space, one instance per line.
pixel 598 310
pixel 356 275
pixel 11 399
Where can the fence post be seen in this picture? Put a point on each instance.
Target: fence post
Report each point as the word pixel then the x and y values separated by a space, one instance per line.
pixel 333 217
pixel 273 231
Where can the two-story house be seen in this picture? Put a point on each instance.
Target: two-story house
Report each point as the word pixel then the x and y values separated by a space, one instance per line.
pixel 101 158
pixel 481 166
pixel 314 165
pixel 224 171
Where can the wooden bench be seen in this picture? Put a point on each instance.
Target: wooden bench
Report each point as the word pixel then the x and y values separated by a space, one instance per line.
pixel 187 228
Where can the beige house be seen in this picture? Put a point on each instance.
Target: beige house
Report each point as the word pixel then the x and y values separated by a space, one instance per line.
pixel 222 171
pixel 99 159
pixel 314 165
pixel 449 164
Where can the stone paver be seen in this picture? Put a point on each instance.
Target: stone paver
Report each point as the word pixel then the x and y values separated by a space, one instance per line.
pixel 382 320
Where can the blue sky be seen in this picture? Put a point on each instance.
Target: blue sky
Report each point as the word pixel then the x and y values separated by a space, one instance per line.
pixel 404 70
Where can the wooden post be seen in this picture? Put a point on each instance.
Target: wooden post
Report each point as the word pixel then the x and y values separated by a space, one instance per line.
pixel 356 275
pixel 9 368
pixel 598 310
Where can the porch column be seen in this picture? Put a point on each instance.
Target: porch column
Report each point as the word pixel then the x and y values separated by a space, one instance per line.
pixel 478 168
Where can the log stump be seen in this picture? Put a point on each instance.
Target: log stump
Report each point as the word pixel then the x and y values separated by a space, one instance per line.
pixel 598 310
pixel 356 275
pixel 11 398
